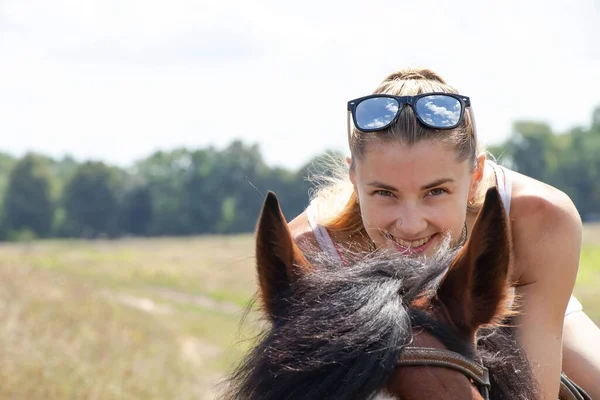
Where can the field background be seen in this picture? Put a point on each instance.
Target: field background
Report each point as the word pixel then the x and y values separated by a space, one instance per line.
pixel 143 318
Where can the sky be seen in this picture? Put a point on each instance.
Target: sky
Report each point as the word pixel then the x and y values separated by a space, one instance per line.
pixel 116 80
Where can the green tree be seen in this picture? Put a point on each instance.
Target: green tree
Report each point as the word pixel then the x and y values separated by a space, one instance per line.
pixel 595 126
pixel 223 190
pixel 91 200
pixel 567 161
pixel 7 163
pixel 137 211
pixel 531 150
pixel 27 201
pixel 201 201
pixel 165 174
pixel 238 173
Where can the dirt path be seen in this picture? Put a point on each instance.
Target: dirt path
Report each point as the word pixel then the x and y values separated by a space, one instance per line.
pixel 197 351
pixel 154 307
pixel 199 300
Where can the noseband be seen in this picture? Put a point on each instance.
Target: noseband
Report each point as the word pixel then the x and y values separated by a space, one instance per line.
pixel 421 356
pixel 476 373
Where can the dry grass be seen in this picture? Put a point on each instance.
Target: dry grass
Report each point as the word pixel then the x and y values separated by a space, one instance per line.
pixel 591 234
pixel 221 266
pixel 130 319
pixel 142 319
pixel 587 287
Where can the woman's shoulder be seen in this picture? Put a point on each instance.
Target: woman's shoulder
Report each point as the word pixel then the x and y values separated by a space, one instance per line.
pixel 302 232
pixel 305 236
pixel 536 200
pixel 545 226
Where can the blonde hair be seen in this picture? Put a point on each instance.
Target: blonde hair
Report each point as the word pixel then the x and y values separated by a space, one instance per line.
pixel 336 201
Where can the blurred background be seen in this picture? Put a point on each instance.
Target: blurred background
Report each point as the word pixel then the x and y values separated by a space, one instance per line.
pixel 140 137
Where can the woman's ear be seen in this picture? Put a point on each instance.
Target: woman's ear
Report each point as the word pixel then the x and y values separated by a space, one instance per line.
pixel 477 175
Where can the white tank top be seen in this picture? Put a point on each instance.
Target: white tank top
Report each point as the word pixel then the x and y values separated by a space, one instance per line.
pixel 503 184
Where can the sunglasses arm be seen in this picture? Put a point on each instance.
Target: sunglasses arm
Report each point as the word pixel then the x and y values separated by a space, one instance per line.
pixel 348 127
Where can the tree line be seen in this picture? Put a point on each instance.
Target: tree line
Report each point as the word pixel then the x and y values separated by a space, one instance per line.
pixel 569 161
pixel 211 191
pixel 179 192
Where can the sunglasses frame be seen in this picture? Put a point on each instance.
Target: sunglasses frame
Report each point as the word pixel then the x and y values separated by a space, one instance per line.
pixel 402 102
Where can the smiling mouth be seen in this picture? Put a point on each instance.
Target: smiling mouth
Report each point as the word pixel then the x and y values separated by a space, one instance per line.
pixel 409 244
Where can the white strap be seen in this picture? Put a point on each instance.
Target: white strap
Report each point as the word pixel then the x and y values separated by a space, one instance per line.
pixel 573 306
pixel 504 185
pixel 321 234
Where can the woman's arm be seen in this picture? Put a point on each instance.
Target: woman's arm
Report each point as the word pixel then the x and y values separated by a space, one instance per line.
pixel 547 235
pixel 581 352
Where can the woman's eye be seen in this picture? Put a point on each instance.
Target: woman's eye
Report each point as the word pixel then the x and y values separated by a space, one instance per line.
pixel 437 192
pixel 384 193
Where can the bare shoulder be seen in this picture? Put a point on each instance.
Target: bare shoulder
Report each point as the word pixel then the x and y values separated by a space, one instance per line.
pixel 531 195
pixel 539 205
pixel 302 232
pixel 545 225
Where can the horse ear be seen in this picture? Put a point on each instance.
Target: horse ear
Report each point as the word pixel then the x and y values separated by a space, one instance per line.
pixel 278 260
pixel 475 289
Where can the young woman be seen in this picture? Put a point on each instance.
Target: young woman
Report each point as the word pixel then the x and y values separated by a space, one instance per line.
pixel 417 175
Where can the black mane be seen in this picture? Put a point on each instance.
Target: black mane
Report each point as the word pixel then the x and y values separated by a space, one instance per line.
pixel 343 330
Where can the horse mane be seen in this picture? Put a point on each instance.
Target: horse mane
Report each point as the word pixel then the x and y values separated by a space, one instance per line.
pixel 343 329
pixel 511 376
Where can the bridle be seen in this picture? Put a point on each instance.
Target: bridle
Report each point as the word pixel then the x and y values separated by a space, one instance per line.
pixel 426 356
pixel 475 372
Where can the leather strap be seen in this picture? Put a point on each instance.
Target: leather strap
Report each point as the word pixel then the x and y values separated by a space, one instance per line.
pixel 445 358
pixel 416 356
pixel 570 391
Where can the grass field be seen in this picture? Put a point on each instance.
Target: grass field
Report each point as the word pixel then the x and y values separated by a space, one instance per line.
pixel 142 319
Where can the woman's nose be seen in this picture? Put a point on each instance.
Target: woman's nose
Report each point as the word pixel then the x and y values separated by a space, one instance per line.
pixel 410 223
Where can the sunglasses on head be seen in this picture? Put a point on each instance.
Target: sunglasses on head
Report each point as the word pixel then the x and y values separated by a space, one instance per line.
pixel 377 112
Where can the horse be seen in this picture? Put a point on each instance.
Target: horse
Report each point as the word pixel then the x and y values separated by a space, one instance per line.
pixel 386 327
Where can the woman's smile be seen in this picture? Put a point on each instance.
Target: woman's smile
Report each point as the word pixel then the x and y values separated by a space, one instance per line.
pixel 410 246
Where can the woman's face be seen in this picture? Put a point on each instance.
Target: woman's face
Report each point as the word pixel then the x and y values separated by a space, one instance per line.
pixel 411 197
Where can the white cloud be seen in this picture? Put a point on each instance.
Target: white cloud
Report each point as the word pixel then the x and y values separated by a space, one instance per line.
pixel 392 107
pixel 437 110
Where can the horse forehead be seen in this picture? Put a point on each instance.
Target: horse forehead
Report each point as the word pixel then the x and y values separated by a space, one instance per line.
pixel 422 338
pixel 429 383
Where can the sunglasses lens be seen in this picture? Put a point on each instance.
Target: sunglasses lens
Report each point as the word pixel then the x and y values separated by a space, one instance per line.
pixel 439 111
pixel 375 113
